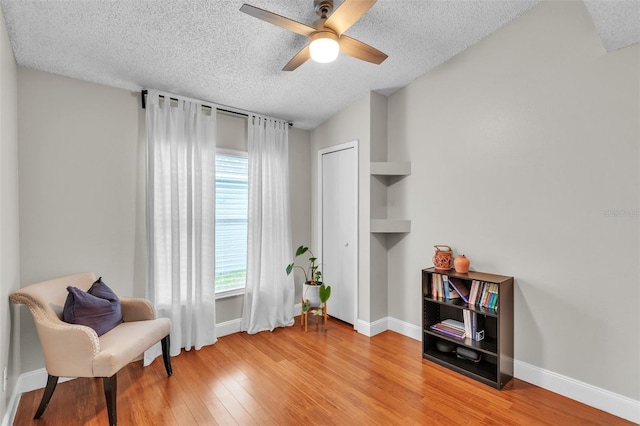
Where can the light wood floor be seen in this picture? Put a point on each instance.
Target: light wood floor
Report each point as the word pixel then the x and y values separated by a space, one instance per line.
pixel 289 377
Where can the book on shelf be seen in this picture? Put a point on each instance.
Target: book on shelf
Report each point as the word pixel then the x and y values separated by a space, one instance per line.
pixel 466 315
pixel 489 297
pixel 445 286
pixel 495 299
pixel 473 324
pixel 449 332
pixel 485 294
pixel 454 323
pixel 436 286
pixel 460 289
pixel 473 292
pixel 450 292
pixel 451 328
pixel 477 326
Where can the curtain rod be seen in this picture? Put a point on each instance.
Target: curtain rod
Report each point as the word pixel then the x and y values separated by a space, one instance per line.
pixel 144 106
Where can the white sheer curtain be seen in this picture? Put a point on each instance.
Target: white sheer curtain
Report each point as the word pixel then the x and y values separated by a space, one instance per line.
pixel 268 301
pixel 181 218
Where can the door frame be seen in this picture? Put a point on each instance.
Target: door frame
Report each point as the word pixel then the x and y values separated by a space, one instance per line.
pixel 321 152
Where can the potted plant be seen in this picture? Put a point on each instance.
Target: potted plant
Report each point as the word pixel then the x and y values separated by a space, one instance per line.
pixel 315 293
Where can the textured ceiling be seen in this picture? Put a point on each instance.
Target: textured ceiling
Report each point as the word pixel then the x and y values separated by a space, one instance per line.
pixel 209 50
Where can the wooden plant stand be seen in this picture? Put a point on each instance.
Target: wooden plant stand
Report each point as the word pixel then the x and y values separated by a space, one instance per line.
pixel 304 316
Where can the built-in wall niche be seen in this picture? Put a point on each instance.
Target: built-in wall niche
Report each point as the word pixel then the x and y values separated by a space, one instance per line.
pixel 389 173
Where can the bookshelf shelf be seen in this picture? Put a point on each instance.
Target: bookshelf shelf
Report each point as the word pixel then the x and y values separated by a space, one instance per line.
pixel 495 367
pixel 488 345
pixel 484 372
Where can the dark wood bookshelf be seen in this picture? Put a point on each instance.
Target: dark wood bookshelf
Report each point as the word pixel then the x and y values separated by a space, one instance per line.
pixel 495 367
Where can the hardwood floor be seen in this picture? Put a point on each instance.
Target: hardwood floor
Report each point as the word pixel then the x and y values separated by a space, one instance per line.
pixel 289 377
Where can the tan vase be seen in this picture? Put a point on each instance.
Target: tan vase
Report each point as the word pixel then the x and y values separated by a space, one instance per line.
pixel 443 258
pixel 461 263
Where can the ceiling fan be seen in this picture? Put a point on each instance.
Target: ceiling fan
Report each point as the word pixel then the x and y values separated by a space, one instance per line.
pixel 326 35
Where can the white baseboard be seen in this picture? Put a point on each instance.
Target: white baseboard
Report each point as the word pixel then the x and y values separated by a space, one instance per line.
pixel 36 379
pixel 235 325
pixel 599 398
pixel 228 327
pixel 405 328
pixel 370 329
pixel 12 408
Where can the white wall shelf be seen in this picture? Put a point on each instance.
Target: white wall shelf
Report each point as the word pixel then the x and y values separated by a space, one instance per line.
pixel 390 226
pixel 391 168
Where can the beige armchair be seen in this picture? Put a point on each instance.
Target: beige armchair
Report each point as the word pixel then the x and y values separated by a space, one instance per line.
pixel 72 350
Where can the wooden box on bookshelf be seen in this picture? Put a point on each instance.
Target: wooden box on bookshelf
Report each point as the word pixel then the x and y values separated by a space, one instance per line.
pixel 495 350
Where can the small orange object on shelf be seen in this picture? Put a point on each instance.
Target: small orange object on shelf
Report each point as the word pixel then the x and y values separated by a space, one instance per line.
pixel 461 264
pixel 442 258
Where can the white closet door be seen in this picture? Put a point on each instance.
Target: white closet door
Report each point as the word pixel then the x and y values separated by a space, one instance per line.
pixel 339 231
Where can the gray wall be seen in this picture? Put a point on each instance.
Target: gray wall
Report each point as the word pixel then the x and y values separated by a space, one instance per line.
pixel 300 189
pixel 520 146
pixel 82 187
pixel 78 179
pixel 353 123
pixel 9 238
pixel 378 243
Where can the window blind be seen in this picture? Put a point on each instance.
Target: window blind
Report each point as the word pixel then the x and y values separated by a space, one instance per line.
pixel 231 221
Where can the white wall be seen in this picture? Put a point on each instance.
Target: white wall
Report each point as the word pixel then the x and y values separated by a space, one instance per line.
pixel 9 238
pixel 82 187
pixel 520 145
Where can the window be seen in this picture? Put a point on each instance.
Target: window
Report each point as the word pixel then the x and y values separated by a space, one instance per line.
pixel 232 198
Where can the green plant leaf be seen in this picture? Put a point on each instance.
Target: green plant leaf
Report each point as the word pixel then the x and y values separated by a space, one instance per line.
pixel 324 292
pixel 301 250
pixel 305 306
pixel 289 268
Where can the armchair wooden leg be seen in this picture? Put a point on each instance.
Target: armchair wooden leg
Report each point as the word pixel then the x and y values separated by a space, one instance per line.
pixel 110 385
pixel 166 356
pixel 52 381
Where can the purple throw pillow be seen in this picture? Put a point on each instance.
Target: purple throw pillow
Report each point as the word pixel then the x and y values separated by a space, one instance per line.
pixel 98 307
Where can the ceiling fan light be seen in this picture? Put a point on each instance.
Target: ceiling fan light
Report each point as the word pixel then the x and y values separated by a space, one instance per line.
pixel 324 47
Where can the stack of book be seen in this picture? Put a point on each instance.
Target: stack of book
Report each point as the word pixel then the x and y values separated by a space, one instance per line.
pixel 483 294
pixel 450 328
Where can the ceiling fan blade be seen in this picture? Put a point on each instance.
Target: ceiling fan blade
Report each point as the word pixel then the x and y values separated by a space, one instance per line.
pixel 300 58
pixel 280 21
pixel 360 50
pixel 347 14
